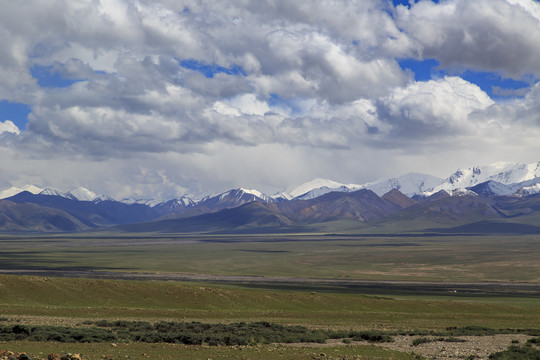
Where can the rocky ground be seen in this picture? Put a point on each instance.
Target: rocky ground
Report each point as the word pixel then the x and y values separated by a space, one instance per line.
pixel 10 355
pixel 475 347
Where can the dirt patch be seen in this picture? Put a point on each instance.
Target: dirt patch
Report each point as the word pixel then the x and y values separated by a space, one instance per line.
pixel 478 346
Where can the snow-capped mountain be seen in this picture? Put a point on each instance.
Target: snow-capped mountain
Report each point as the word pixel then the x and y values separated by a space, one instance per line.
pixel 52 192
pixel 282 196
pixel 79 193
pixel 495 179
pixel 147 202
pixel 235 196
pixel 318 187
pixel 175 205
pixel 523 188
pixel 15 190
pixel 503 173
pixel 83 194
pixel 529 190
pixel 409 184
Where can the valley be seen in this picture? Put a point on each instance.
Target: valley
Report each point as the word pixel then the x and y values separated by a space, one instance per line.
pixel 423 284
pixel 451 269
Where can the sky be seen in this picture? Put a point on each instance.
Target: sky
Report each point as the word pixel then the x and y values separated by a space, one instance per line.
pixel 162 98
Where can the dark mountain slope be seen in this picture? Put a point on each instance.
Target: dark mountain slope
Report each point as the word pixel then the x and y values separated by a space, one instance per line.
pixel 211 204
pixel 445 212
pixel 252 215
pixel 361 205
pixel 35 218
pixel 398 198
pixel 91 213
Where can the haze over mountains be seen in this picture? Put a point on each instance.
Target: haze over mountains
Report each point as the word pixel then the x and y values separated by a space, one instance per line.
pixel 502 193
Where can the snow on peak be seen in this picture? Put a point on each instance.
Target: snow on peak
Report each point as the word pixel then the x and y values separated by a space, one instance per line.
pixel 52 192
pixel 185 201
pixel 409 184
pixel 83 194
pixel 529 190
pixel 322 184
pixel 239 193
pixel 283 195
pixel 148 202
pixel 501 172
pixel 256 193
pixel 16 190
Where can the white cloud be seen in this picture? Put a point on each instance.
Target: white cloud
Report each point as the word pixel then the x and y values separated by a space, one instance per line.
pixel 9 127
pixel 436 108
pixel 490 35
pixel 320 89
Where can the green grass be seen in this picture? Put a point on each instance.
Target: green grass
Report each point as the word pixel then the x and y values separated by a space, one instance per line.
pixel 61 299
pixel 99 351
pixel 72 301
pixel 446 258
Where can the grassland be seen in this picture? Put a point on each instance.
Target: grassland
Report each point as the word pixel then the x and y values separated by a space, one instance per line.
pixel 31 300
pixel 422 258
pixel 29 297
pixel 45 300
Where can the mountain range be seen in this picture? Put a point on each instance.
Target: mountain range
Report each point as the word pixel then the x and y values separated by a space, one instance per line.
pixel 501 196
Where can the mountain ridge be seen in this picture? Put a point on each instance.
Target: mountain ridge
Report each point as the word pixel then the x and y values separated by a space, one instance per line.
pixel 451 205
pixel 517 175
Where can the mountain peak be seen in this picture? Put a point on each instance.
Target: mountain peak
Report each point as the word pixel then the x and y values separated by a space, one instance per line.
pixel 82 194
pixel 502 172
pixel 16 190
pixel 315 184
pixel 398 198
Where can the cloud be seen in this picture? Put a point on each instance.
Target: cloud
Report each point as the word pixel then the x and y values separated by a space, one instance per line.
pixel 9 127
pixel 316 87
pixel 493 35
pixel 432 109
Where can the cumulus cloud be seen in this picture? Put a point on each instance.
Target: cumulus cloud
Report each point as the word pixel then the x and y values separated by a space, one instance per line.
pixel 9 127
pixel 435 108
pixel 164 93
pixel 496 35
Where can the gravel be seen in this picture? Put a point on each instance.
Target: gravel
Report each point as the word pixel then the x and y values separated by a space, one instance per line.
pixel 478 346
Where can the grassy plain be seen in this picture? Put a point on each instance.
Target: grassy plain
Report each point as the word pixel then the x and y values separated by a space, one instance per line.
pixel 34 298
pixel 70 301
pixel 101 351
pixel 421 258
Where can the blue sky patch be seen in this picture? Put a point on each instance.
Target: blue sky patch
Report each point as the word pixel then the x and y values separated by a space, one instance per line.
pixel 423 70
pixel 495 85
pixel 276 101
pixel 491 83
pixel 210 70
pixel 48 77
pixel 400 2
pixel 407 2
pixel 16 112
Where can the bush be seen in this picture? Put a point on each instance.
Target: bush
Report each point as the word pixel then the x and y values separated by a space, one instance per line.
pixel 422 340
pixel 516 353
pixel 372 336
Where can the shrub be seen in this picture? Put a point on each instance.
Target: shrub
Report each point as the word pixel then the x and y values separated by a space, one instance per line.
pixel 372 336
pixel 421 340
pixel 516 353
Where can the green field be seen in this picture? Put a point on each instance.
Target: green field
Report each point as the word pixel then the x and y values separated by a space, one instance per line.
pixel 34 297
pixel 31 300
pixel 426 258
pixel 66 301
